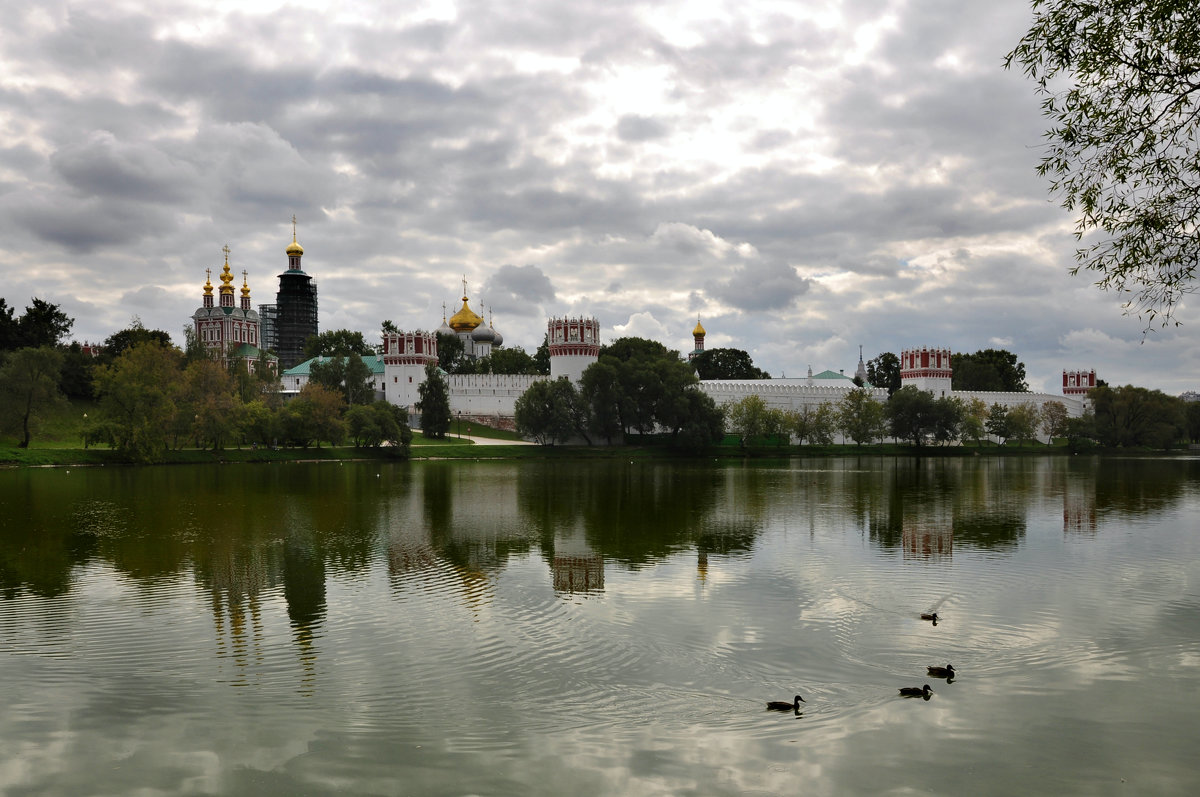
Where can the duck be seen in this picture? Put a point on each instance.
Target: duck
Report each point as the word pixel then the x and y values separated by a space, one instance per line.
pixel 912 691
pixel 942 672
pixel 779 705
pixel 930 616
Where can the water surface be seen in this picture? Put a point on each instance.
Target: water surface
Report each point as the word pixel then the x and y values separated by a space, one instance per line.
pixel 611 627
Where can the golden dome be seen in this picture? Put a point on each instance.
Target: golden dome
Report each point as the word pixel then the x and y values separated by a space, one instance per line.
pixel 465 319
pixel 208 282
pixel 226 275
pixel 294 249
pixel 245 287
pixel 698 332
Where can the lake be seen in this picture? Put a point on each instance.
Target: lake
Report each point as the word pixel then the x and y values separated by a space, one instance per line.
pixel 602 628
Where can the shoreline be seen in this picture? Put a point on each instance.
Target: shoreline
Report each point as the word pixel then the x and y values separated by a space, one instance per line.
pixel 17 459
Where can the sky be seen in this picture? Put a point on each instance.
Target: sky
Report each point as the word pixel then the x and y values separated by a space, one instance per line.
pixel 804 178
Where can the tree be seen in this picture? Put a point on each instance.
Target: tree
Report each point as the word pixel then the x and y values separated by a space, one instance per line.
pixel 814 425
pixel 747 417
pixel 1131 416
pixel 1192 418
pixel 704 424
pixel 512 360
pixel 137 395
pixel 434 403
pixel 638 385
pixel 29 386
pixel 1118 85
pixel 911 414
pixel 601 389
pixel 884 371
pixel 336 343
pixel 861 417
pixel 541 357
pixel 75 380
pixel 9 336
pixel 450 352
pixel 997 422
pixel 121 341
pixel 994 370
pixel 373 425
pixel 1054 419
pixel 207 398
pixel 316 415
pixel 974 416
pixel 543 411
pixel 43 324
pixel 949 412
pixel 259 424
pixel 346 374
pixel 1023 421
pixel 726 364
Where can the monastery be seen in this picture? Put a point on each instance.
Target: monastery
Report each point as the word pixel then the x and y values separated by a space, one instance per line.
pixel 398 369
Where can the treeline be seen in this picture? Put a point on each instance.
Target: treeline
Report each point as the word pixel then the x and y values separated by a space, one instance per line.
pixel 151 397
pixel 1123 417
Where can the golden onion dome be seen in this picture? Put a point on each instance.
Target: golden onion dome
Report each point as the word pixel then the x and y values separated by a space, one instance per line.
pixel 294 249
pixel 465 319
pixel 245 287
pixel 699 330
pixel 226 277
pixel 208 288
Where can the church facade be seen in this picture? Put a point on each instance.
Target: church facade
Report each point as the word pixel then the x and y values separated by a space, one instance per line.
pixel 230 332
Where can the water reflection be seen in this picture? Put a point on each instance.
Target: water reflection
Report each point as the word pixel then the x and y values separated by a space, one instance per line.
pixel 494 627
pixel 244 532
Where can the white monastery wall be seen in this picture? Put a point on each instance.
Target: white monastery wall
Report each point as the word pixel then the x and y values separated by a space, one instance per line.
pixel 488 394
pixel 784 394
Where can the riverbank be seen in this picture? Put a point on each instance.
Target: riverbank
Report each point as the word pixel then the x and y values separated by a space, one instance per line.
pixel 480 448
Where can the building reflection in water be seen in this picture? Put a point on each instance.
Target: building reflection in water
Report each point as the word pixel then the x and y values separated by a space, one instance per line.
pixel 576 567
pixel 304 591
pixel 928 538
pixel 1079 505
pixel 236 577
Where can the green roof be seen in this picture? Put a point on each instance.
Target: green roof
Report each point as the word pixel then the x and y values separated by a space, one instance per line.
pixel 373 361
pixel 832 375
pixel 245 350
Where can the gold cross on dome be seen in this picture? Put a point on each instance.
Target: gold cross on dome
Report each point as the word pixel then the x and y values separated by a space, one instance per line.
pixel 226 250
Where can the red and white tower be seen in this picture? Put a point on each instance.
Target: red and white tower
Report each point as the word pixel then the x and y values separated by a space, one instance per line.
pixel 1077 383
pixel 927 369
pixel 405 355
pixel 574 344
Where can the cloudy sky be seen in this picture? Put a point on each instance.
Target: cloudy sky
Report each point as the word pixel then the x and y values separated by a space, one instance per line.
pixel 804 177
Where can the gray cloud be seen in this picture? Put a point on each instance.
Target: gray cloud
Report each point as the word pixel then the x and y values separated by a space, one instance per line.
pixel 760 286
pixel 875 180
pixel 640 128
pixel 520 290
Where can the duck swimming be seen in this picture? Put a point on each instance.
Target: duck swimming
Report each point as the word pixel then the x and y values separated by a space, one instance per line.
pixel 942 672
pixel 779 705
pixel 930 616
pixel 912 691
